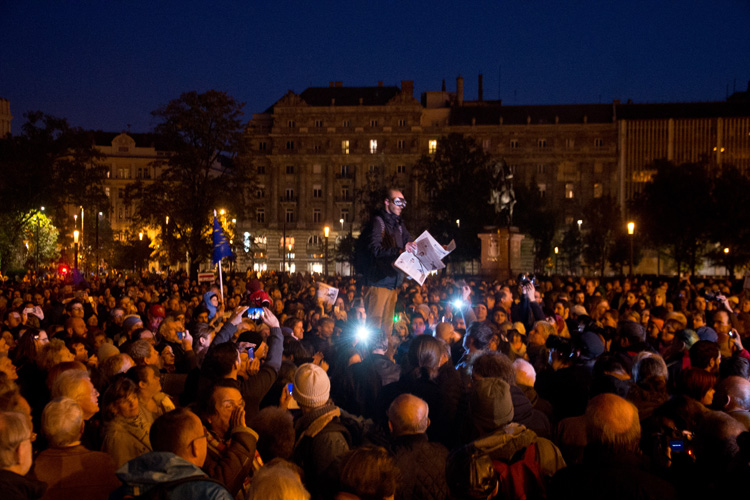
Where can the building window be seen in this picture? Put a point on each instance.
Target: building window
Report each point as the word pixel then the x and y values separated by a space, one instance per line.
pixel 290 169
pixel 262 146
pixel 373 123
pixel 316 215
pixel 373 169
pixel 316 168
pixel 486 145
pixel 260 191
pixel 345 124
pixel 317 191
pixel 123 173
pixel 373 146
pixel 542 143
pixel 260 215
pixel 289 194
pixel 598 143
pixel 432 146
pixel 598 190
pixel 261 170
pixel 290 145
pixel 541 168
pixel 317 148
pixel 345 193
pixel 401 144
pixel 290 124
pixel 569 194
pixel 402 122
pixel 344 147
pixel 106 191
pixel 344 170
pixel 344 214
pixel 319 123
pixel 570 143
pixel 289 215
pixel 542 189
pixel 514 144
pixel 401 169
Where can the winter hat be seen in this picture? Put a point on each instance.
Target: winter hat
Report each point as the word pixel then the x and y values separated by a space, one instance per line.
pixel 130 321
pixel 707 333
pixel 311 386
pixel 156 311
pixel 491 404
pixel 525 373
pixel 106 351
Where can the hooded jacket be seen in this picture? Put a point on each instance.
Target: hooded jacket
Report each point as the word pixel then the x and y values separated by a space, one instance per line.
pixel 158 467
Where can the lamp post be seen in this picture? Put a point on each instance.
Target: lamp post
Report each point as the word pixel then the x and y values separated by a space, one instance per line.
pixel 557 251
pixel 631 233
pixel 38 224
pixel 75 242
pixel 326 231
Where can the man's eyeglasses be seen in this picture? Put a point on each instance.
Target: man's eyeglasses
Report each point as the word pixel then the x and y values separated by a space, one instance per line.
pixel 399 202
pixel 231 405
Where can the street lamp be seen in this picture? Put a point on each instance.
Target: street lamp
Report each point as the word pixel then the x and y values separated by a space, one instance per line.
pixel 341 221
pixel 75 241
pixel 631 232
pixel 326 231
pixel 458 223
pixel 557 250
pixel 140 236
pixel 580 223
pixel 726 262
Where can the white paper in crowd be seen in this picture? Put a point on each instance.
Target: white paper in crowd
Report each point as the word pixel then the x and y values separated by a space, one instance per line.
pixel 428 257
pixel 327 294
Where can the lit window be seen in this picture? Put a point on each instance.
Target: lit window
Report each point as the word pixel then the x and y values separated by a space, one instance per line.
pixel 598 190
pixel 542 189
pixel 373 146
pixel 569 191
pixel 345 147
pixel 432 146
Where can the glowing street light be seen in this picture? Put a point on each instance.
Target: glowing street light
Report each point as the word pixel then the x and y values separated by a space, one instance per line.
pixel 326 232
pixel 75 241
pixel 631 232
pixel 140 236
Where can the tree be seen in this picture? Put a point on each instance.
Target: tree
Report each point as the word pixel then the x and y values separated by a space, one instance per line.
pixel 457 178
pixel 204 172
pixel 730 222
pixel 675 211
pixel 534 217
pixel 50 164
pixel 603 222
pixel 572 247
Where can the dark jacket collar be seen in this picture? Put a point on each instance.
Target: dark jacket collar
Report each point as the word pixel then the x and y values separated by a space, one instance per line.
pixel 17 486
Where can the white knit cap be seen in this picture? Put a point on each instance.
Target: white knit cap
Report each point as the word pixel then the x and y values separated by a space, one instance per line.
pixel 311 386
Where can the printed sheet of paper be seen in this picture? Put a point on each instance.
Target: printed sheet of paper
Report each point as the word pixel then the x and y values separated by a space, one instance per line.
pixel 327 294
pixel 428 257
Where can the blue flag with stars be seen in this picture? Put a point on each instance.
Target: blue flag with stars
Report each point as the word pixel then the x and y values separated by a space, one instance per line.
pixel 221 244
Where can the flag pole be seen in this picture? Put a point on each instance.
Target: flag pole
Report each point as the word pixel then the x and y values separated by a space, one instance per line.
pixel 221 284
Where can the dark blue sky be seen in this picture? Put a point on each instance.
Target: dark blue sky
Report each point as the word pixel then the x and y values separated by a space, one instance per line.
pixel 107 64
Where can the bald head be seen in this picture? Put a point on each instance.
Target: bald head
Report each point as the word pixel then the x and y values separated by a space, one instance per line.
pixel 613 424
pixel 180 432
pixel 408 414
pixel 734 393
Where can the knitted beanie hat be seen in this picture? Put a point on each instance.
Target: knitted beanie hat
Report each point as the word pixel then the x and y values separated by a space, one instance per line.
pixel 130 321
pixel 491 404
pixel 311 386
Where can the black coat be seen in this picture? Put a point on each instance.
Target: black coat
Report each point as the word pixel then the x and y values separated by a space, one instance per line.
pixel 422 466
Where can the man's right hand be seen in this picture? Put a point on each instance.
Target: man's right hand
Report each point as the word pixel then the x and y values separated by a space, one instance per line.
pixel 411 247
pixel 236 317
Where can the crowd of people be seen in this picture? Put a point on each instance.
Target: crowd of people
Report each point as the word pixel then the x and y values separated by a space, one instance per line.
pixel 557 388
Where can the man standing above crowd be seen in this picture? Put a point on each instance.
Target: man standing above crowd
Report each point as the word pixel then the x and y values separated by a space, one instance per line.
pixel 387 239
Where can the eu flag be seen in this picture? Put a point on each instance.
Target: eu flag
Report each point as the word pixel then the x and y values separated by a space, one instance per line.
pixel 221 244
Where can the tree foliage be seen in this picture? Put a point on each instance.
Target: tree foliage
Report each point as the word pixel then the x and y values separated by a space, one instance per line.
pixel 603 223
pixel 49 164
pixel 535 217
pixel 204 172
pixel 457 179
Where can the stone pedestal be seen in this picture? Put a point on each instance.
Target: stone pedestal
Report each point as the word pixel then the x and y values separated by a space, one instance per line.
pixel 495 255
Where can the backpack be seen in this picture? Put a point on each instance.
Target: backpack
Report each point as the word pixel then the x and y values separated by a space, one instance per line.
pixel 163 491
pixel 520 477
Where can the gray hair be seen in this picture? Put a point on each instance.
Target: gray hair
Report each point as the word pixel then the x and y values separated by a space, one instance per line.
pixel 14 430
pixel 140 350
pixel 71 384
pixel 277 482
pixel 647 365
pixel 62 422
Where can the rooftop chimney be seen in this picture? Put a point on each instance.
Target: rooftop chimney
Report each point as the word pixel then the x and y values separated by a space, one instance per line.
pixel 460 90
pixel 330 84
pixel 380 83
pixel 407 87
pixel 481 93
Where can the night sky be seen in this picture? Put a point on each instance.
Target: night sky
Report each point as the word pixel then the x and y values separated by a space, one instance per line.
pixel 108 64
